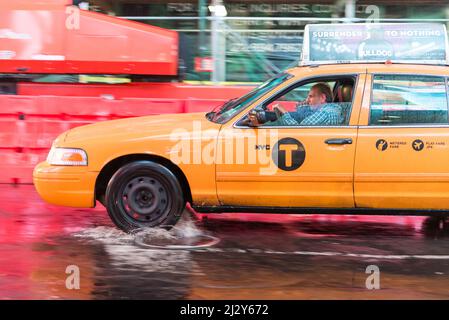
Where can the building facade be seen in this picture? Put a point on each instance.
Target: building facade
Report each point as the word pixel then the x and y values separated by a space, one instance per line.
pixel 252 40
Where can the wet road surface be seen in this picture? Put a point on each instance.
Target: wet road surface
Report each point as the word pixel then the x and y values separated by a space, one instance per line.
pixel 251 256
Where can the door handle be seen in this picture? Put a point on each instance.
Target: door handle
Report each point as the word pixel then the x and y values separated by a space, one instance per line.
pixel 339 141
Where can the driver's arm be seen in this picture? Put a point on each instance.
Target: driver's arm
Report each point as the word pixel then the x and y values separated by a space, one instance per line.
pixel 284 117
pixel 287 120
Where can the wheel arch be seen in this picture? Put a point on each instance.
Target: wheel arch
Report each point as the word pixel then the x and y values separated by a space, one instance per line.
pixel 108 170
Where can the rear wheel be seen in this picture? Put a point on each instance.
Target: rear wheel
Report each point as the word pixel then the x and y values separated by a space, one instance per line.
pixel 144 194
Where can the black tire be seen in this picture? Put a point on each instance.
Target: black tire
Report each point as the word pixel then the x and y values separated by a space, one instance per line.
pixel 102 200
pixel 144 194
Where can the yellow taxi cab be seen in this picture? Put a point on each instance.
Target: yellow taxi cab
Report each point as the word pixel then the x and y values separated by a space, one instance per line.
pixel 378 140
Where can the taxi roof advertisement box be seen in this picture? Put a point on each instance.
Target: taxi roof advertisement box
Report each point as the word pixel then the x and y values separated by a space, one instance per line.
pixel 423 43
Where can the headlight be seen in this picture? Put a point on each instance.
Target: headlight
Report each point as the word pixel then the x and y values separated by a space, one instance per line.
pixel 67 157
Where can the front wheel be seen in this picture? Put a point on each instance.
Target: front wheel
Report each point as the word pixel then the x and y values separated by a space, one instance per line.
pixel 144 194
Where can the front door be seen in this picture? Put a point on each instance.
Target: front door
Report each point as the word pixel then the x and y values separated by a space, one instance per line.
pixel 308 164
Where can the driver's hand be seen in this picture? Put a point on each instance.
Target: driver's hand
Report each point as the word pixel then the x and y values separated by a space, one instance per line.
pixel 279 109
pixel 253 122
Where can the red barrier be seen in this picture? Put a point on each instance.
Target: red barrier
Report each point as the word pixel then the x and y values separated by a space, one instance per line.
pixel 67 107
pixel 201 105
pixel 287 105
pixel 165 90
pixel 15 105
pixel 18 164
pixel 134 107
pixel 9 133
pixel 30 122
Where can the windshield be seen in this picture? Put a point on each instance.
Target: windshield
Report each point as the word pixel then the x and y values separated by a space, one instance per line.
pixel 229 109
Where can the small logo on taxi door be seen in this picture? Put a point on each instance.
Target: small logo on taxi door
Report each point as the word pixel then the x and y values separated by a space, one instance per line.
pixel 418 145
pixel 288 154
pixel 381 145
pixel 262 147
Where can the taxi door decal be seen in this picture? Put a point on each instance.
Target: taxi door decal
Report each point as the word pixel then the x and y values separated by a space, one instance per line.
pixel 288 154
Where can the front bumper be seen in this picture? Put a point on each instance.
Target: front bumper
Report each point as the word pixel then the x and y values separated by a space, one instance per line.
pixel 65 185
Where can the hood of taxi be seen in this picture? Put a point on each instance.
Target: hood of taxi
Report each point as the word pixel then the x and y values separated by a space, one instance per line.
pixel 157 125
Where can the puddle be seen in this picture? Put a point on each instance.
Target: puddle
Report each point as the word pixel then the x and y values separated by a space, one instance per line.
pixel 175 241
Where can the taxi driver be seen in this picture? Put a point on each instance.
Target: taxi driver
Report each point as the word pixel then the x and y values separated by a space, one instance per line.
pixel 317 109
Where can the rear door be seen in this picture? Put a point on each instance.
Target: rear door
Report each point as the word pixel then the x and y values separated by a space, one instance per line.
pixel 402 158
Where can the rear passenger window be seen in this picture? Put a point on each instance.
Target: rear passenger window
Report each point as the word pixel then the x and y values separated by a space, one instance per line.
pixel 405 99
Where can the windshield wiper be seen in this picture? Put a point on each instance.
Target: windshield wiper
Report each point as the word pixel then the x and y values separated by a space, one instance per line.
pixel 210 115
pixel 227 104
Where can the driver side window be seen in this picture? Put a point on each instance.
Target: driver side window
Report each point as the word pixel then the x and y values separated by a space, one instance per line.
pixel 319 102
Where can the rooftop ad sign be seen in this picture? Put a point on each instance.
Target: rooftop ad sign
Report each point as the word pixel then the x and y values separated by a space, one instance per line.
pixel 375 42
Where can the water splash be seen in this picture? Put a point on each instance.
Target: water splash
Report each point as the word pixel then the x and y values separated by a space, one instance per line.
pixel 108 235
pixel 185 235
pixel 123 254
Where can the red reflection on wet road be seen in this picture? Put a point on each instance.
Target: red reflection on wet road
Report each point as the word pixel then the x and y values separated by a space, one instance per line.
pixel 38 241
pixel 25 217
